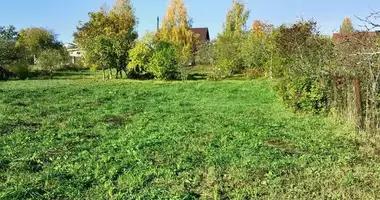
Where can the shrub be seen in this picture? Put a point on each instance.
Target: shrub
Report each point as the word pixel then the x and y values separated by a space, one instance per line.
pixel 253 73
pixel 20 69
pixel 228 53
pixel 51 61
pixel 163 64
pixel 140 57
pixel 305 56
pixel 304 94
pixel 5 74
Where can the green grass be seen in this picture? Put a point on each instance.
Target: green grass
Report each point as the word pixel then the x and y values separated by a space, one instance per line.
pixel 89 139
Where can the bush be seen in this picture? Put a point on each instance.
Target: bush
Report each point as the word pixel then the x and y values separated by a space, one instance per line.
pixel 77 66
pixel 304 94
pixel 163 64
pixel 5 74
pixel 51 61
pixel 20 69
pixel 140 57
pixel 228 50
pixel 305 56
pixel 254 73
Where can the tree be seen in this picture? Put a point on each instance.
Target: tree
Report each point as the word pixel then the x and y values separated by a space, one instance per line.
pixel 8 51
pixel 108 36
pixel 37 40
pixel 9 33
pixel 347 26
pixel 176 29
pixel 175 25
pixel 228 54
pixel 206 55
pixel 236 19
pixel 51 60
pixel 229 43
pixel 124 22
pixel 257 50
pixel 141 54
pixel 163 63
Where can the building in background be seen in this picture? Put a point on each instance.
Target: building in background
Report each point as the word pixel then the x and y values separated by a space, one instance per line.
pixel 204 35
pixel 75 53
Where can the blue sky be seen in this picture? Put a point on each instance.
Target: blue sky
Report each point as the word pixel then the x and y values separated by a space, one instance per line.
pixel 63 15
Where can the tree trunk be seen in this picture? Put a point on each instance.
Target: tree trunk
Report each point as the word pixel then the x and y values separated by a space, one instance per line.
pixel 271 66
pixel 104 73
pixel 110 73
pixel 125 71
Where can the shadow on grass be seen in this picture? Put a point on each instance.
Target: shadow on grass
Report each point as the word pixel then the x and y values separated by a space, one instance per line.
pixel 197 76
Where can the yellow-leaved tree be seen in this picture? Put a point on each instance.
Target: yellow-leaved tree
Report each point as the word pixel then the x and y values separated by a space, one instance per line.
pixel 176 29
pixel 347 26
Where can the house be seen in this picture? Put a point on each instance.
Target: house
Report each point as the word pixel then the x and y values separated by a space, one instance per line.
pixel 203 36
pixel 358 43
pixel 203 33
pixel 75 53
pixel 355 37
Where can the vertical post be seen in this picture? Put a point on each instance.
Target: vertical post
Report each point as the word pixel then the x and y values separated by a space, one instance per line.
pixel 158 23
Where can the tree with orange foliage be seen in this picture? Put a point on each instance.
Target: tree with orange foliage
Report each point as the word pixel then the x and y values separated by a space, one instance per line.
pixel 261 28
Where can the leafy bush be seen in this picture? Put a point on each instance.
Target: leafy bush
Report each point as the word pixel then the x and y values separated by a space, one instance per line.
pixel 140 57
pixel 228 51
pixel 77 66
pixel 305 56
pixel 163 64
pixel 5 74
pixel 304 94
pixel 253 73
pixel 20 69
pixel 51 61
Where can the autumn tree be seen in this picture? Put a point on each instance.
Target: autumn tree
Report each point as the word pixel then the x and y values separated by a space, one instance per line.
pixel 258 49
pixel 108 36
pixel 347 26
pixel 229 42
pixel 176 29
pixel 236 20
pixel 36 40
pixel 124 22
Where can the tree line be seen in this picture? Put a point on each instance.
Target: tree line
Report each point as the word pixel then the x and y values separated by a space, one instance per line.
pixel 32 46
pixel 316 73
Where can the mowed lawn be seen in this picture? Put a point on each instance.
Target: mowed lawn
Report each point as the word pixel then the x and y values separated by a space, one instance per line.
pixel 89 139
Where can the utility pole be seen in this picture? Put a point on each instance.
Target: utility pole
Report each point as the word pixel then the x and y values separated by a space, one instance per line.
pixel 158 23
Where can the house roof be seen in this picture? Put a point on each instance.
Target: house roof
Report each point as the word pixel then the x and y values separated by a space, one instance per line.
pixel 358 35
pixel 70 46
pixel 203 33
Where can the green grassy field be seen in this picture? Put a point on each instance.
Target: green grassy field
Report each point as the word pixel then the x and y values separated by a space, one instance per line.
pixel 89 139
